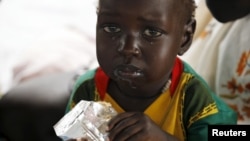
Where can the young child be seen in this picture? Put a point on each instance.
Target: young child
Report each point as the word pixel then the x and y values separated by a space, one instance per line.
pixel 157 95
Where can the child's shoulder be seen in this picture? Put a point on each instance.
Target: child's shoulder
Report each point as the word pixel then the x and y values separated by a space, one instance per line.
pixel 89 74
pixel 189 70
pixel 196 88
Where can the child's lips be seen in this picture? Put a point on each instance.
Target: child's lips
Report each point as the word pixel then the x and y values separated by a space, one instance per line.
pixel 128 71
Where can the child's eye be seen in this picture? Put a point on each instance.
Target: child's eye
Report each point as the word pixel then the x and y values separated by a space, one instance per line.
pixel 111 29
pixel 150 32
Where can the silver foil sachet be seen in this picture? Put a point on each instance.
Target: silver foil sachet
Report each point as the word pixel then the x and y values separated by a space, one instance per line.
pixel 88 119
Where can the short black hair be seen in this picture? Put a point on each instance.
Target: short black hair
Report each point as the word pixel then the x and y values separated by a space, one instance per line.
pixel 189 4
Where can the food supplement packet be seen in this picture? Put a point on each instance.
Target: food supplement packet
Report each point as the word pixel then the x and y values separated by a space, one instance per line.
pixel 87 119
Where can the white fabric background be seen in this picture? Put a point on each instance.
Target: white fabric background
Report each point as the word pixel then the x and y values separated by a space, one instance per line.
pixel 44 36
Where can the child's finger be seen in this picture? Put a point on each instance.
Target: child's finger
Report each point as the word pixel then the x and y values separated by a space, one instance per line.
pixel 81 139
pixel 120 117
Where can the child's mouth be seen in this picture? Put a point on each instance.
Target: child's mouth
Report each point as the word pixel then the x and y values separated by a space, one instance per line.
pixel 125 72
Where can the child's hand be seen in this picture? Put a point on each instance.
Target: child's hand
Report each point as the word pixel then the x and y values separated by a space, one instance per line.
pixel 136 126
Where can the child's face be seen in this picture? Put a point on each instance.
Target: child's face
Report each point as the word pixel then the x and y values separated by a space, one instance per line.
pixel 138 40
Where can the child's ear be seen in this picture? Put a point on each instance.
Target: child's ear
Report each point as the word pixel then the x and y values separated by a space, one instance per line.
pixel 187 36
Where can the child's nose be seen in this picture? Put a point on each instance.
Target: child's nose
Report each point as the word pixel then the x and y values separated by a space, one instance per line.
pixel 130 45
